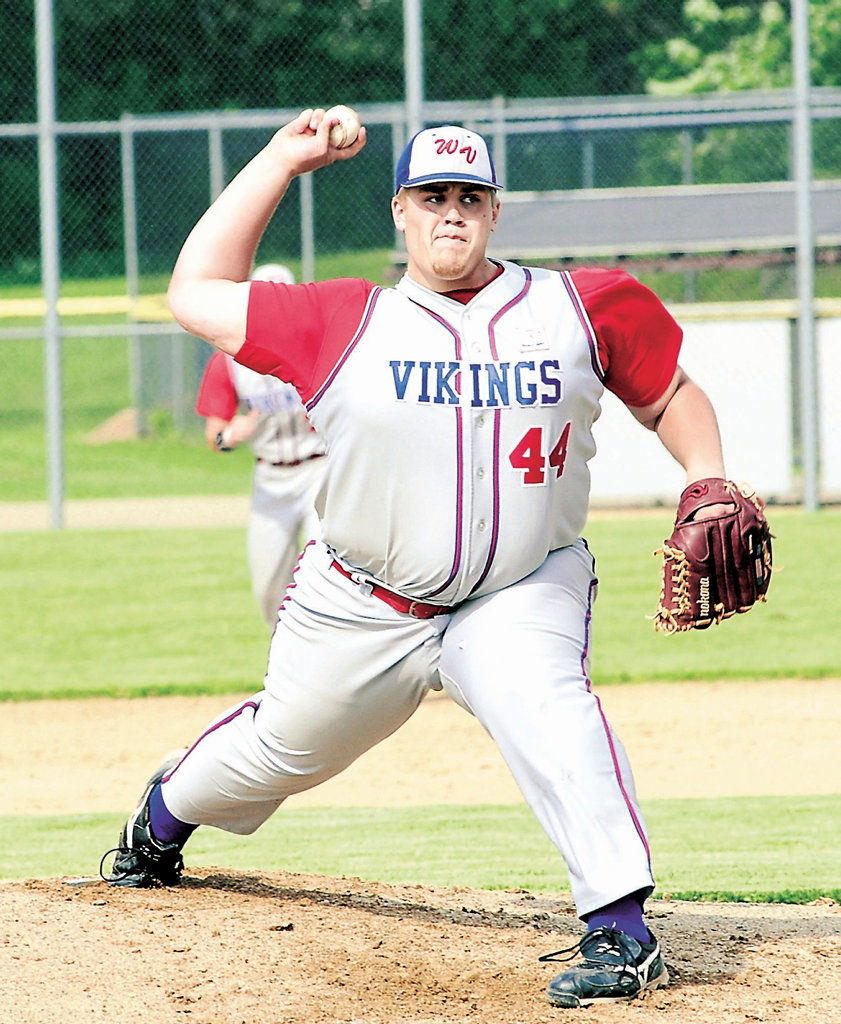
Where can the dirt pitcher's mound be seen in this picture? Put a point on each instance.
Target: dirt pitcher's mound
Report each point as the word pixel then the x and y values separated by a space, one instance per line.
pixel 232 948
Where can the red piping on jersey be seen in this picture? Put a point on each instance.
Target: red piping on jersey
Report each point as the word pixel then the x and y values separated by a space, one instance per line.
pixel 501 313
pixel 581 312
pixel 497 429
pixel 172 770
pixel 254 705
pixel 459 457
pixel 291 585
pixel 354 341
pixel 617 771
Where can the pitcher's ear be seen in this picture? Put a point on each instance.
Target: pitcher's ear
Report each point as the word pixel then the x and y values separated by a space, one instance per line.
pixel 398 214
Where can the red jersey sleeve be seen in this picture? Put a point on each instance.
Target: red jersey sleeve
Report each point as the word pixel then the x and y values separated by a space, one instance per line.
pixel 299 332
pixel 638 339
pixel 217 395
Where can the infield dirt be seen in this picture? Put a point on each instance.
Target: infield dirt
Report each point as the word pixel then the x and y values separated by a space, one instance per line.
pixel 259 948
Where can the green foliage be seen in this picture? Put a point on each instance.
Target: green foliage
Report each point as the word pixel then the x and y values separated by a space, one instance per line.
pixel 825 41
pixel 720 155
pixel 122 56
pixel 729 46
pixel 160 56
pixel 768 849
pixel 17 80
pixel 756 54
pixel 215 55
pixel 559 49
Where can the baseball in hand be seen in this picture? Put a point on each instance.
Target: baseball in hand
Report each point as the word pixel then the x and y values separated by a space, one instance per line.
pixel 344 133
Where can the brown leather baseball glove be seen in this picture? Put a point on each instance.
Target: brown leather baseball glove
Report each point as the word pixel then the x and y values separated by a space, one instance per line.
pixel 714 566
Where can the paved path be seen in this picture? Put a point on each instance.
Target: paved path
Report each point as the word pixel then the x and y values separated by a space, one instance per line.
pixel 127 513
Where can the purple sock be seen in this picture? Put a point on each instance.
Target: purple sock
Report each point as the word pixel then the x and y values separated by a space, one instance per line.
pixel 166 828
pixel 624 915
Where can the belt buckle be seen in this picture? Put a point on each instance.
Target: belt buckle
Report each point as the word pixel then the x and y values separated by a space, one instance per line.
pixel 365 585
pixel 411 609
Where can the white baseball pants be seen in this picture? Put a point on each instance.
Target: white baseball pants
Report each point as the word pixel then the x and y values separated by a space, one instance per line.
pixel 345 671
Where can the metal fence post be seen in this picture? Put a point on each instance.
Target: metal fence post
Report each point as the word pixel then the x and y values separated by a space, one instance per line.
pixel 500 140
pixel 50 265
pixel 216 160
pixel 305 183
pixel 132 268
pixel 413 61
pixel 805 251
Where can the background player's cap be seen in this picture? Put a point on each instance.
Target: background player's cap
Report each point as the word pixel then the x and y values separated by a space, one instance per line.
pixel 446 153
pixel 273 272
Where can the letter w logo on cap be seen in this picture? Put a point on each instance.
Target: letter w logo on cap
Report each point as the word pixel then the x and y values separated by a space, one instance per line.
pixel 446 153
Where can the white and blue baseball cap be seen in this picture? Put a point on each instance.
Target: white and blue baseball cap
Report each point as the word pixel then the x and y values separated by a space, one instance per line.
pixel 446 153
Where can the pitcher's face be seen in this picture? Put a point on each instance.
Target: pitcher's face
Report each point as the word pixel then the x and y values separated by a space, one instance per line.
pixel 447 226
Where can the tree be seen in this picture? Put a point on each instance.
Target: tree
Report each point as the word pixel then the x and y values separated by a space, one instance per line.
pixel 549 48
pixel 734 46
pixel 742 46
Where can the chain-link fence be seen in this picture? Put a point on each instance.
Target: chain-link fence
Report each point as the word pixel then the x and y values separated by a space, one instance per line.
pixel 655 134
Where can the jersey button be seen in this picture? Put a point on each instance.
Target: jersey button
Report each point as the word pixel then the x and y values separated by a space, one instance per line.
pixel 480 473
pixel 482 524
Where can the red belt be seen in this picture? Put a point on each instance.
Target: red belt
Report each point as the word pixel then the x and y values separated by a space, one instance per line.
pixel 297 462
pixel 402 604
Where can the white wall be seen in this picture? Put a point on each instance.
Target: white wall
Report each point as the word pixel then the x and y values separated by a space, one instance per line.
pixel 744 368
pixel 829 412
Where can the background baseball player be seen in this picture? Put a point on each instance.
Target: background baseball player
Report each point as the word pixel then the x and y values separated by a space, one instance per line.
pixel 457 408
pixel 289 460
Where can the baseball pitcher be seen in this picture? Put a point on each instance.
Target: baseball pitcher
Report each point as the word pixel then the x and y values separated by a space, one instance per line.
pixel 457 408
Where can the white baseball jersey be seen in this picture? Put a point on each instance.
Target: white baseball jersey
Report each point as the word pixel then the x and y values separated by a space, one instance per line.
pixel 449 426
pixel 500 407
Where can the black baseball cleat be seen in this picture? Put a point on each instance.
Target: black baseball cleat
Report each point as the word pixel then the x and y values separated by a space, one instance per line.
pixel 141 862
pixel 614 967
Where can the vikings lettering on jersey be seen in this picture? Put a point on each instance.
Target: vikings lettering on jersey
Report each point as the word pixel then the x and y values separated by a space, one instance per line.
pixel 491 385
pixel 498 397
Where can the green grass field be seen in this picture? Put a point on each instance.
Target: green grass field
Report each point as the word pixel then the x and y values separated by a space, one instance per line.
pixel 772 849
pixel 133 612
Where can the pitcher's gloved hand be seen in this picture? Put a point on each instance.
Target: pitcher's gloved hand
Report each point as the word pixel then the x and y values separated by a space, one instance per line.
pixel 717 561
